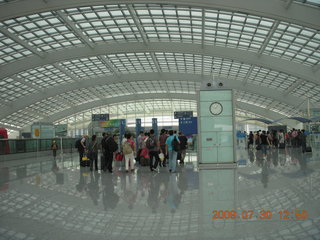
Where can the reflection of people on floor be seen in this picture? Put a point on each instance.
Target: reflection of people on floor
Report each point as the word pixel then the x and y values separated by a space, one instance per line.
pixel 153 196
pixel 93 187
pixel 251 156
pixel 129 191
pixel 174 196
pixel 109 198
pixel 302 163
pixel 265 174
pixel 82 181
pixel 182 181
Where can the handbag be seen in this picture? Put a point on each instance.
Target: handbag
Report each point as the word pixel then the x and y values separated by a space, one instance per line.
pixel 119 157
pixel 161 156
pixel 85 158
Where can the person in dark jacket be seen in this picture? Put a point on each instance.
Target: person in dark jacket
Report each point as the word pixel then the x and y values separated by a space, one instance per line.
pixel 183 146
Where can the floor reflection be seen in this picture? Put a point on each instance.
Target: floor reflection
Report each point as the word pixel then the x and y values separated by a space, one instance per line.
pixel 46 194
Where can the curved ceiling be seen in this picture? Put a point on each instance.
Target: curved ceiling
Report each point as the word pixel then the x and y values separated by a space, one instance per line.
pixel 58 58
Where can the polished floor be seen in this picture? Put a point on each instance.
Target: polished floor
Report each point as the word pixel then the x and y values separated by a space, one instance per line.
pixel 46 199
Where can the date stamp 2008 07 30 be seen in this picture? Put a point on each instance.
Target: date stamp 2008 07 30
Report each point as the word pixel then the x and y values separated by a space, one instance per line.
pixel 262 214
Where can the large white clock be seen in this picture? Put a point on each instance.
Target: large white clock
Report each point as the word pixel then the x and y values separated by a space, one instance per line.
pixel 216 108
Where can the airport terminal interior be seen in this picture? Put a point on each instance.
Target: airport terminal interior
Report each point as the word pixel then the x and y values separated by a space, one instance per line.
pixel 239 79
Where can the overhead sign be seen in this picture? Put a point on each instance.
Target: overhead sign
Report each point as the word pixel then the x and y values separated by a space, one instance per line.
pixel 183 114
pixel 100 117
pixel 188 126
pixel 61 130
pixel 115 123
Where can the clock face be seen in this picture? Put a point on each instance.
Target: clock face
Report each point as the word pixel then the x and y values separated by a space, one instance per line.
pixel 216 108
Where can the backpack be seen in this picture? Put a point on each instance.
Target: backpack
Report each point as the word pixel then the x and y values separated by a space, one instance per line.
pixel 163 139
pixel 127 149
pixel 110 145
pixel 78 143
pixel 175 144
pixel 150 143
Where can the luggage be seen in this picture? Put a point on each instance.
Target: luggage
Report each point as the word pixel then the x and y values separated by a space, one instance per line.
pixel 258 147
pixel 144 157
pixel 85 161
pixel 282 146
pixel 308 149
pixel 144 161
pixel 175 144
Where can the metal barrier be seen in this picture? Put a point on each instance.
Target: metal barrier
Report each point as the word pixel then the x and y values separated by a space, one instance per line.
pixel 13 146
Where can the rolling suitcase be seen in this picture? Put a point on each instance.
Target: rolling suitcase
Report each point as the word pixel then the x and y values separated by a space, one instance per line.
pixel 308 149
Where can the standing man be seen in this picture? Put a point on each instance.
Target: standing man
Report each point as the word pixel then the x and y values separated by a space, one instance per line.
pixel 162 139
pixel 183 146
pixel 140 142
pixel 264 143
pixel 103 151
pixel 153 145
pixel 110 146
pixel 171 143
pixel 303 141
pixel 82 147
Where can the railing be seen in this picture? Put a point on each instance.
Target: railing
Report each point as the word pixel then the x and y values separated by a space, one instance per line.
pixel 12 146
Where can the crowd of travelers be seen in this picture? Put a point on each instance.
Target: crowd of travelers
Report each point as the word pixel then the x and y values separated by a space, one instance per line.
pixel 147 150
pixel 261 140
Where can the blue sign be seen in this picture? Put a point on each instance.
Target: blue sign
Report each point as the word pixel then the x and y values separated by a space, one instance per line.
pixel 100 117
pixel 138 129
pixel 188 126
pixel 183 114
pixel 155 126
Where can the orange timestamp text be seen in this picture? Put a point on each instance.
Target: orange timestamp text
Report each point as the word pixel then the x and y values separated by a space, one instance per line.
pixel 262 214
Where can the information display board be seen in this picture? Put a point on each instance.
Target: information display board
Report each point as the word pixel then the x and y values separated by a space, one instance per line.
pixel 188 126
pixel 183 114
pixel 100 117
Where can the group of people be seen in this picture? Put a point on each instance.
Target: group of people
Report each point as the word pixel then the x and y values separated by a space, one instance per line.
pixel 169 146
pixel 277 139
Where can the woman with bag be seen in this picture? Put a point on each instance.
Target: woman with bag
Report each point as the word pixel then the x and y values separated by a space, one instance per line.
pixel 54 148
pixel 93 152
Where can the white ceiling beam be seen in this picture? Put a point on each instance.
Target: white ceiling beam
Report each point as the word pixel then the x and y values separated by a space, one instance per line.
pixel 270 9
pixel 203 27
pixel 110 66
pixel 269 62
pixel 155 96
pixel 248 75
pixel 293 86
pixel 21 42
pixel 108 80
pixel 137 23
pixel 24 82
pixel 268 38
pixel 66 72
pixel 74 29
pixel 289 3
pixel 272 105
pixel 155 61
pixel 316 68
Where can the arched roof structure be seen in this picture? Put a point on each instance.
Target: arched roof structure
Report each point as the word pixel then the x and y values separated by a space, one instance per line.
pixel 59 58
